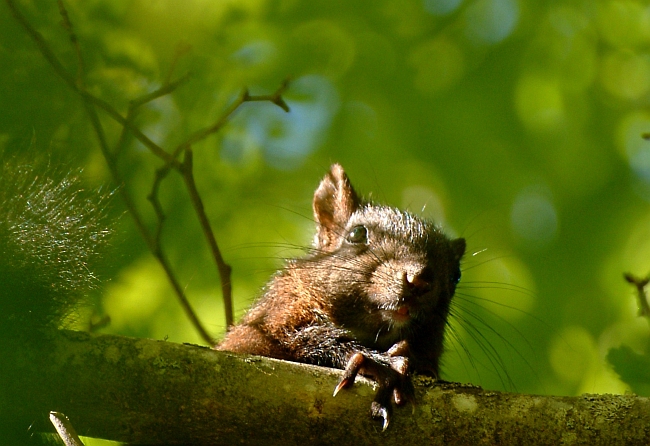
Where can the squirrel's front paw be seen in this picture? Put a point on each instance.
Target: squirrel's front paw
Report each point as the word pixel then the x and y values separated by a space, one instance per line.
pixel 391 375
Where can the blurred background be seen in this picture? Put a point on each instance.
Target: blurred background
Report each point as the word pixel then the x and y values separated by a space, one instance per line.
pixel 514 124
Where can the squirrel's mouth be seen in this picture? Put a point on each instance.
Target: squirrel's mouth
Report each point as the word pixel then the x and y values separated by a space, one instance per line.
pixel 400 315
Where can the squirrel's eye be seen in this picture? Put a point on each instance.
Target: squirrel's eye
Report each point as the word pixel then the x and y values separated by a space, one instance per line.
pixel 455 277
pixel 358 234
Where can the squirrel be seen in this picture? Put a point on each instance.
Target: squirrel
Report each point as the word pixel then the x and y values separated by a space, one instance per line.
pixel 52 234
pixel 371 297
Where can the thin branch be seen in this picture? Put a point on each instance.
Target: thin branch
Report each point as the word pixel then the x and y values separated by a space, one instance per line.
pixel 275 97
pixel 223 268
pixel 144 139
pixel 42 45
pixel 157 251
pixel 244 96
pixel 186 170
pixel 122 141
pixel 185 304
pixel 134 105
pixel 162 91
pixel 642 298
pixel 67 24
pixel 152 242
pixel 115 173
pixel 89 103
pixel 162 259
pixel 160 175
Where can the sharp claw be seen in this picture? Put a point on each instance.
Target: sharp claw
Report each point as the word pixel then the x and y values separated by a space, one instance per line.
pixel 343 383
pixel 383 413
pixel 398 397
pixel 385 426
pixel 380 411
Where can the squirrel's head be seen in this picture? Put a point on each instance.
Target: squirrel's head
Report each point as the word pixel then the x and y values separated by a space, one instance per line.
pixel 395 268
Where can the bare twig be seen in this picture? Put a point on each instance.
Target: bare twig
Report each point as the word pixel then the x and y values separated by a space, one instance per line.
pixel 185 304
pixel 152 242
pixel 42 45
pixel 642 298
pixel 67 24
pixel 275 98
pixel 244 96
pixel 161 174
pixel 127 123
pixel 134 105
pixel 223 268
pixel 162 91
pixel 122 141
pixel 186 170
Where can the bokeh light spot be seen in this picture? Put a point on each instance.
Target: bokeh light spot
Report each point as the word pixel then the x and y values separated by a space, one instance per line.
pixel 441 7
pixel 624 23
pixel 255 53
pixel 533 217
pixel 325 48
pixel 438 63
pixel 539 103
pixel 491 21
pixel 572 354
pixel 625 74
pixel 136 295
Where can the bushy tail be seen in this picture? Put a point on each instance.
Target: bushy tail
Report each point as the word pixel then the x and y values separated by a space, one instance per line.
pixel 52 231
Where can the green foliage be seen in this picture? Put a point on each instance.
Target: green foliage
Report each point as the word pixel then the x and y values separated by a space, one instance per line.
pixel 632 367
pixel 514 124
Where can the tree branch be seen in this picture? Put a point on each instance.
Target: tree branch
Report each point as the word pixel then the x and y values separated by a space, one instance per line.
pixel 225 270
pixel 155 392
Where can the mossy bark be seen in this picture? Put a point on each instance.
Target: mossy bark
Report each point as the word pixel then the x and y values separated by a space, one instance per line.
pixel 154 392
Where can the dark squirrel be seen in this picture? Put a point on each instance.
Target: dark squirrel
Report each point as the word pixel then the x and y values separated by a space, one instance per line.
pixel 371 297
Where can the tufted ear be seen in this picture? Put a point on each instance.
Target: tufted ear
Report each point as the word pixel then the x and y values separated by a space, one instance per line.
pixel 458 248
pixel 334 202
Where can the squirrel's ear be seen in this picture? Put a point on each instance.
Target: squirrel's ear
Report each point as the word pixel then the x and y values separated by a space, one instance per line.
pixel 458 248
pixel 334 202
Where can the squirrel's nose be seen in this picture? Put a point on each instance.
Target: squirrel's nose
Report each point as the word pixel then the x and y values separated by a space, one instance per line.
pixel 418 281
